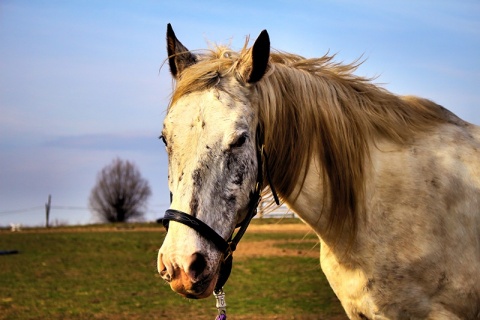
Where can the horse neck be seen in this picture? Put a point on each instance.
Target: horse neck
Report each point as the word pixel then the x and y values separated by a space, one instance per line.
pixel 319 130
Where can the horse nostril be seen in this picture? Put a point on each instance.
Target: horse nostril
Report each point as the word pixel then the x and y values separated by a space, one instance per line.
pixel 197 265
pixel 165 275
pixel 162 269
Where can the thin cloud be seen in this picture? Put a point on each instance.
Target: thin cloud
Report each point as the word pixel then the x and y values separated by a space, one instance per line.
pixel 144 143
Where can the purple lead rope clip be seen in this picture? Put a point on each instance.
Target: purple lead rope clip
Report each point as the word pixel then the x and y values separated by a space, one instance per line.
pixel 221 304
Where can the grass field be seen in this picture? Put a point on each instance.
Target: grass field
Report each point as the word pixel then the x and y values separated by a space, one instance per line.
pixel 110 273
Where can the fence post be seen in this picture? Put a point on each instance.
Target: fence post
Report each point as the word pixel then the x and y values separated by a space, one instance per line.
pixel 260 209
pixel 47 209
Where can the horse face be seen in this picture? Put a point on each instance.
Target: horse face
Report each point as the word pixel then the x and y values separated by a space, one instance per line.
pixel 211 143
pixel 210 137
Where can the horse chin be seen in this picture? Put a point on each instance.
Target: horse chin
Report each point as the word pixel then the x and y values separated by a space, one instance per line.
pixel 206 293
pixel 198 290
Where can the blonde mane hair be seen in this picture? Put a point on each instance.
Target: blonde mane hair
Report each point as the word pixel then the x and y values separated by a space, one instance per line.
pixel 316 108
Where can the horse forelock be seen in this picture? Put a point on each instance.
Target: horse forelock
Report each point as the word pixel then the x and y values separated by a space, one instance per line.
pixel 213 65
pixel 316 109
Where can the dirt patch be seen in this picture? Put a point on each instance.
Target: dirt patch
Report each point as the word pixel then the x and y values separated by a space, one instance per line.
pixel 273 248
pixel 294 227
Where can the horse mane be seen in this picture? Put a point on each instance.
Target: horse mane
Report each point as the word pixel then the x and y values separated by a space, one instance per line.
pixel 317 108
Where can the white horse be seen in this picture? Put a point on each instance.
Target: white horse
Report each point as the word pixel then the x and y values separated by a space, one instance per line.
pixel 391 184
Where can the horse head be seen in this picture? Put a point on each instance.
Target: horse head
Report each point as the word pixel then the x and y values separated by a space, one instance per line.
pixel 211 134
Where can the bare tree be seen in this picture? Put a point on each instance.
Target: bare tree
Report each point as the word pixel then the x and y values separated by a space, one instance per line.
pixel 120 193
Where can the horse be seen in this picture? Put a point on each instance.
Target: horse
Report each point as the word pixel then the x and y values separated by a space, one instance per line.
pixel 389 183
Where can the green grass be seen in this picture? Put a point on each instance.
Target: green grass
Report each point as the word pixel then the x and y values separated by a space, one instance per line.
pixel 306 245
pixel 112 275
pixel 280 285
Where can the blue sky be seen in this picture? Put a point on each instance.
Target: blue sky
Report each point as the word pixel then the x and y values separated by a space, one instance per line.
pixel 81 81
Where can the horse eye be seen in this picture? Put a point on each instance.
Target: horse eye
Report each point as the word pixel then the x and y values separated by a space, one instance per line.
pixel 239 142
pixel 163 139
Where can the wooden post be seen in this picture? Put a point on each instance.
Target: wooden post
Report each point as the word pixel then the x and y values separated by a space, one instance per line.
pixel 47 209
pixel 260 209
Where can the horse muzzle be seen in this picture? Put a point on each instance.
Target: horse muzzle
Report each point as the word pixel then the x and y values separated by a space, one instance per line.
pixel 194 281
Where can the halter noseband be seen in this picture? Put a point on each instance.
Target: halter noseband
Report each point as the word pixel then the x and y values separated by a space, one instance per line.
pixel 227 246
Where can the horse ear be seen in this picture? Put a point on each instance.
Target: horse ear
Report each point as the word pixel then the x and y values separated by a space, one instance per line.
pixel 260 56
pixel 179 58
